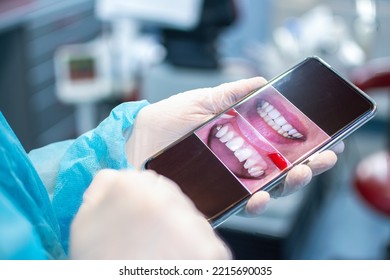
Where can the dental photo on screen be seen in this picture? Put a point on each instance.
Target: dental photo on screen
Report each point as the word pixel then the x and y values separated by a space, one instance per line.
pixel 261 137
pixel 282 124
pixel 243 150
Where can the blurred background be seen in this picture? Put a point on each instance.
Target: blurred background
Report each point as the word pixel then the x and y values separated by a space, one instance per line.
pixel 66 64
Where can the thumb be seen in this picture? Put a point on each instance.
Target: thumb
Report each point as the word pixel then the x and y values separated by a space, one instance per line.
pixel 225 95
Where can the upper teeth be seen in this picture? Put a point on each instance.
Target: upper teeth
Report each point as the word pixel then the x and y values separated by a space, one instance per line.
pixel 275 120
pixel 254 163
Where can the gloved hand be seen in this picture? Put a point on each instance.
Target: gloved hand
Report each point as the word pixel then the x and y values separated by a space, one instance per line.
pixel 140 215
pixel 161 123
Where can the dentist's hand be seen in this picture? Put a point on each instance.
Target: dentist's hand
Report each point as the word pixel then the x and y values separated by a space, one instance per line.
pixel 140 215
pixel 161 123
pixel 298 177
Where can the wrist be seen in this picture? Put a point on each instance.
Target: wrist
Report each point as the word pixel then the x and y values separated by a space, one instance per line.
pixel 135 144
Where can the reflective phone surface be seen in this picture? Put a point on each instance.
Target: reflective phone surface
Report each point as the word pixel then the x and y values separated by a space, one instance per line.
pixel 251 145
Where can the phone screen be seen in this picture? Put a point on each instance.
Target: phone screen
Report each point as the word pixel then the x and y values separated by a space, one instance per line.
pixel 244 149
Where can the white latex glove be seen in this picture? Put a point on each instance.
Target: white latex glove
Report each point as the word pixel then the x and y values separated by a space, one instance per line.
pixel 161 123
pixel 140 215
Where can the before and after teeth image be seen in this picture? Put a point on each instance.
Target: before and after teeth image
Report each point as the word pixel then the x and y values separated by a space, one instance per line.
pixel 261 137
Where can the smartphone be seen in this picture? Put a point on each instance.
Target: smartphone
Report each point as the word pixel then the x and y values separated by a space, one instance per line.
pixel 253 144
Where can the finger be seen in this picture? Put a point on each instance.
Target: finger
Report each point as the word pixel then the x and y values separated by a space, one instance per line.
pixel 175 192
pixel 225 95
pixel 226 254
pixel 96 190
pixel 323 162
pixel 257 203
pixel 222 252
pixel 298 177
pixel 338 148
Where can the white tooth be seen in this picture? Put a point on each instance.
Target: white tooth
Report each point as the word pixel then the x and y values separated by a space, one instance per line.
pixel 274 114
pixel 257 174
pixel 222 131
pixel 276 120
pixel 243 154
pixel 267 118
pixel 275 127
pixel 297 135
pixel 227 137
pixel 287 127
pixel 255 171
pixel 270 122
pixel 280 121
pixel 262 114
pixel 235 143
pixel 269 108
pixel 249 163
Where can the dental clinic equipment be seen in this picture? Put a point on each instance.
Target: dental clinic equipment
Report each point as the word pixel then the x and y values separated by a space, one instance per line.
pixel 131 49
pixel 83 73
pixel 109 67
pixel 366 24
pixel 321 32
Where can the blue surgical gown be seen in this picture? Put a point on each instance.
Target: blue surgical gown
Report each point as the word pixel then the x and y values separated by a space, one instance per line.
pixel 40 193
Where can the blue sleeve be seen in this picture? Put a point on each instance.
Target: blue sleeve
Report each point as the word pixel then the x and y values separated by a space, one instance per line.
pixel 19 240
pixel 46 161
pixel 28 225
pixel 103 147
